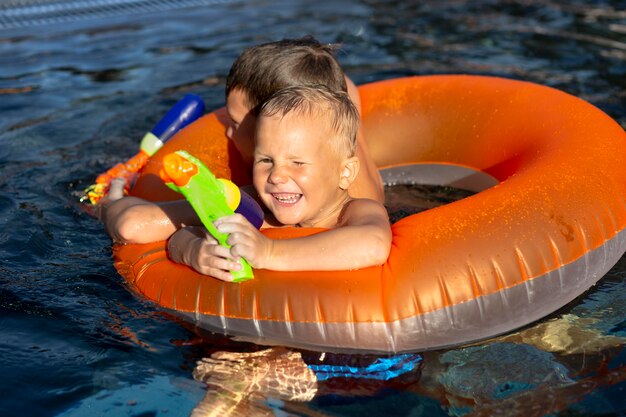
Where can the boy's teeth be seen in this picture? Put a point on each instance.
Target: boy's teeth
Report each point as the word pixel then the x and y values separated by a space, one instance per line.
pixel 287 198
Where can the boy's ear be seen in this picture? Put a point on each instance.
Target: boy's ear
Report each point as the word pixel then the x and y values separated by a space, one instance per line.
pixel 349 172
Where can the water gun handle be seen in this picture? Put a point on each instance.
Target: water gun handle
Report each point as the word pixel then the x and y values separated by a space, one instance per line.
pixel 185 111
pixel 210 197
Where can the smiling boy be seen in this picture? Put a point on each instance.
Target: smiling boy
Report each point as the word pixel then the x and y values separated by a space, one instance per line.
pixel 304 163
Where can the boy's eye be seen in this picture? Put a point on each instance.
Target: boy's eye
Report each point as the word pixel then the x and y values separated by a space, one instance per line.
pixel 264 161
pixel 299 163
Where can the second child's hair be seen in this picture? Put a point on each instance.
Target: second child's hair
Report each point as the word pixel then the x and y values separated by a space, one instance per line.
pixel 332 107
pixel 262 70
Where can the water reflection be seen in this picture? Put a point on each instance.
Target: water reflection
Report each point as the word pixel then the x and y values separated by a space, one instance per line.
pixel 239 384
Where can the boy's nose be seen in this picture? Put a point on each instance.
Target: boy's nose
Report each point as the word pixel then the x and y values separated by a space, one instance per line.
pixel 278 175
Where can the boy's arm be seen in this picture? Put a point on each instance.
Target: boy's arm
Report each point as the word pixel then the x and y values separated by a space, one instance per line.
pixel 134 220
pixel 362 239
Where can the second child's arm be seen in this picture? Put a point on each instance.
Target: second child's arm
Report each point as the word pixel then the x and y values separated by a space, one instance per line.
pixel 134 220
pixel 361 239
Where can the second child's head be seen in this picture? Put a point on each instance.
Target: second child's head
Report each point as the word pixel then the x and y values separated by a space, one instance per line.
pixel 304 158
pixel 262 70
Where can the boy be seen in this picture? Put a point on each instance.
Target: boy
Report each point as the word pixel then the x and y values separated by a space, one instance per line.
pixel 254 76
pixel 304 163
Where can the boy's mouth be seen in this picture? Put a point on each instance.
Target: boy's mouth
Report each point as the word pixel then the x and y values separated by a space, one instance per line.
pixel 287 199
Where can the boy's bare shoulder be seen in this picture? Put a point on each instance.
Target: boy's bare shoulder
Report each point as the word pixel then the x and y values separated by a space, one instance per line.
pixel 362 211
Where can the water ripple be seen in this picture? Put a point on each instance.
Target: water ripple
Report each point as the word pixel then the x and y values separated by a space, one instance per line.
pixel 26 13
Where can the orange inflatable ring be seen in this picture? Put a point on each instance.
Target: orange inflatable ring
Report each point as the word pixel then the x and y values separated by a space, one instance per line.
pixel 547 223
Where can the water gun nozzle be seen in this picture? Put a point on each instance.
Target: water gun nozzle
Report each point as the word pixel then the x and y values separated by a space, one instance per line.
pixel 177 169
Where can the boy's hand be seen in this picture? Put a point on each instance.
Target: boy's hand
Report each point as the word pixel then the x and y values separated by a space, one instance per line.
pixel 116 192
pixel 246 241
pixel 109 208
pixel 195 247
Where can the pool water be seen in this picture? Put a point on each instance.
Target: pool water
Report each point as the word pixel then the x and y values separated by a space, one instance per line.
pixel 81 81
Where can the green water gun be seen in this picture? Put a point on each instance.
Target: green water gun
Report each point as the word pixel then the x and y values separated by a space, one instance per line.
pixel 210 197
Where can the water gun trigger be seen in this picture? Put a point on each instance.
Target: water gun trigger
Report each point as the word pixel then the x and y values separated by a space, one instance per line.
pixel 207 195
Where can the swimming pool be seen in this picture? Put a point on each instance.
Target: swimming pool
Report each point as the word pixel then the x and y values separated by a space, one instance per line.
pixel 78 91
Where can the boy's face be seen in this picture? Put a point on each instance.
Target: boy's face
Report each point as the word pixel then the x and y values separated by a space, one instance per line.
pixel 295 172
pixel 242 124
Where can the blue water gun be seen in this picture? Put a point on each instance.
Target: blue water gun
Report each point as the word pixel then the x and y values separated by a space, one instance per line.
pixel 185 111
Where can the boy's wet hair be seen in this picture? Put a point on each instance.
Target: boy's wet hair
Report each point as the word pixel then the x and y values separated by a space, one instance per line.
pixel 322 104
pixel 262 70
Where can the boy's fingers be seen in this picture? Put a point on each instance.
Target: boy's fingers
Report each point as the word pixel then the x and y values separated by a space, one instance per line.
pixel 116 191
pixel 219 274
pixel 214 250
pixel 219 258
pixel 238 251
pixel 233 227
pixel 237 218
pixel 239 239
pixel 225 265
pixel 231 219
